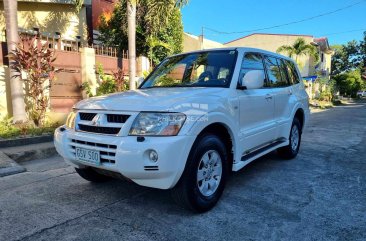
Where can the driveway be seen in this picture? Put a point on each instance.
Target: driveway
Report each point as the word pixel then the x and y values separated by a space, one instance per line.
pixel 320 195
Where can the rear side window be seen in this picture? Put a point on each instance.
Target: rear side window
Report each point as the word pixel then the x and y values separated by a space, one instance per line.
pixel 293 75
pixel 276 73
pixel 251 61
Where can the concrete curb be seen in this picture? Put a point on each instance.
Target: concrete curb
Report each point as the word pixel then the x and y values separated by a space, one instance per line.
pixel 11 170
pixel 31 152
pixel 8 166
pixel 25 141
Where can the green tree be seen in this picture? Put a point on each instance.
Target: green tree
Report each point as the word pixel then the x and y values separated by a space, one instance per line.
pixel 363 55
pixel 349 83
pixel 154 38
pixel 157 13
pixel 346 57
pixel 78 4
pixel 299 48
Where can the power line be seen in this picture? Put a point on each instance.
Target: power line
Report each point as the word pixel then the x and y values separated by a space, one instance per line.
pixel 324 34
pixel 319 35
pixel 258 44
pixel 349 31
pixel 289 23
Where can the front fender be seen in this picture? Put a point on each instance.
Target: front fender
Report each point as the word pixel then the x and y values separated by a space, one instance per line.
pixel 218 118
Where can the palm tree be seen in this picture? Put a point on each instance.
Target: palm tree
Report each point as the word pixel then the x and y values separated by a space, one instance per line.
pixel 16 84
pixel 153 42
pixel 161 10
pixel 299 48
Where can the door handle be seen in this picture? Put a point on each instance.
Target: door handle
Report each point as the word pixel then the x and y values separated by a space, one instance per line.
pixel 268 97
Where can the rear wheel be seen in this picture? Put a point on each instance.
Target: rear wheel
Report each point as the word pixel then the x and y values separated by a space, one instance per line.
pixel 204 177
pixel 290 151
pixel 90 175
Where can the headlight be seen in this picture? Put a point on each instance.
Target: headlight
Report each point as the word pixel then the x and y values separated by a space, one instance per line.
pixel 70 121
pixel 157 124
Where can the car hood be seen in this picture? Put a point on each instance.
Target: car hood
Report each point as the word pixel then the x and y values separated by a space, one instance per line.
pixel 156 99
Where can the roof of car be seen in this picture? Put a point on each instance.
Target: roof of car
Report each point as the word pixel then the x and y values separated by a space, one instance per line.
pixel 244 49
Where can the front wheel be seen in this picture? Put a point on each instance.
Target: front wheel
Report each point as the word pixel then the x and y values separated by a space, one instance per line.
pixel 290 151
pixel 204 177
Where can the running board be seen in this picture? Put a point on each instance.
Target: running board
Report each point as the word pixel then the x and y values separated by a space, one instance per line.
pixel 258 152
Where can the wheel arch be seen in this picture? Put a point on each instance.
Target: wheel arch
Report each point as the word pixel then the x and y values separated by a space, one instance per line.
pixel 300 115
pixel 224 132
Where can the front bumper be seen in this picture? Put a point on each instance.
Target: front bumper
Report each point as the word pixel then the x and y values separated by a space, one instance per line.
pixel 130 157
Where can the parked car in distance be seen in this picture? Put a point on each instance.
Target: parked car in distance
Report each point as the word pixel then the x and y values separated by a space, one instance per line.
pixel 195 118
pixel 361 93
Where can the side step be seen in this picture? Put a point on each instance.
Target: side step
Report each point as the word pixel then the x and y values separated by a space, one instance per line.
pixel 258 152
pixel 264 148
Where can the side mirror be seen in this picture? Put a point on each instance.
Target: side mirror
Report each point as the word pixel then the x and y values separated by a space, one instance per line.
pixel 253 79
pixel 140 80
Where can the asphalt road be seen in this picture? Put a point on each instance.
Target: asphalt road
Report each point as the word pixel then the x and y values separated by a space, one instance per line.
pixel 320 195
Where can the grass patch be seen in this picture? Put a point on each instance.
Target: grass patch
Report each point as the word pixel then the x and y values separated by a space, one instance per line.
pixel 8 130
pixel 320 104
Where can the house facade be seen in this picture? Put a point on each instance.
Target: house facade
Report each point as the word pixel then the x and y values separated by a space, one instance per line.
pixel 271 42
pixel 192 43
pixel 52 17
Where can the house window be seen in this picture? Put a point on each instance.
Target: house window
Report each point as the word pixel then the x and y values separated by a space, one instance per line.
pixel 322 57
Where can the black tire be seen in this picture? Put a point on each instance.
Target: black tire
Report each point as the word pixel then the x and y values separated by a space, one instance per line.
pixel 289 152
pixel 92 176
pixel 187 193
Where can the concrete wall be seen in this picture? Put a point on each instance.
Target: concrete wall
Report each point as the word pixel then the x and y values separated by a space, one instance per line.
pixel 192 43
pixel 78 67
pixel 4 95
pixel 88 68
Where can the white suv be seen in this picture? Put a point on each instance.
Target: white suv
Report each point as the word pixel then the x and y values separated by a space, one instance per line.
pixel 197 116
pixel 361 93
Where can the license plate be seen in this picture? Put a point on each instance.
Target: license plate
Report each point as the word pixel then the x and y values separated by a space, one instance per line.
pixel 89 156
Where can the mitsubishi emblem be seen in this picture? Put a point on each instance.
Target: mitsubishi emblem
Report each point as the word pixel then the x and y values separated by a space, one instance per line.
pixel 96 121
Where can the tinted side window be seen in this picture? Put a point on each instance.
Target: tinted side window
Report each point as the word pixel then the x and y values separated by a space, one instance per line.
pixel 284 74
pixel 251 61
pixel 292 73
pixel 276 75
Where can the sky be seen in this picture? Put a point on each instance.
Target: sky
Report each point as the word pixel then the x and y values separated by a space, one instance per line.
pixel 243 15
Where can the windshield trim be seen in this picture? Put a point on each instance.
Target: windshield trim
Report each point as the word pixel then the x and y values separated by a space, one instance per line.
pixel 198 52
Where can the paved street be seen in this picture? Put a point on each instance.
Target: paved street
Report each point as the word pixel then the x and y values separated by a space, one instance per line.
pixel 321 195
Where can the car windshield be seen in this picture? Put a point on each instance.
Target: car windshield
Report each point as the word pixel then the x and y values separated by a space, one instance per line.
pixel 202 69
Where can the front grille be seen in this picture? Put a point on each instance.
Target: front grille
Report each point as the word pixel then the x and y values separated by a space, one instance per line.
pixel 100 122
pixel 100 129
pixel 107 152
pixel 94 144
pixel 116 118
pixel 87 116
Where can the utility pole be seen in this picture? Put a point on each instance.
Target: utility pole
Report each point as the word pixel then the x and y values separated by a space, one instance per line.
pixel 202 36
pixel 16 84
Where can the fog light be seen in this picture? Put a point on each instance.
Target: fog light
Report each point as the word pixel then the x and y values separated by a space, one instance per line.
pixel 153 155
